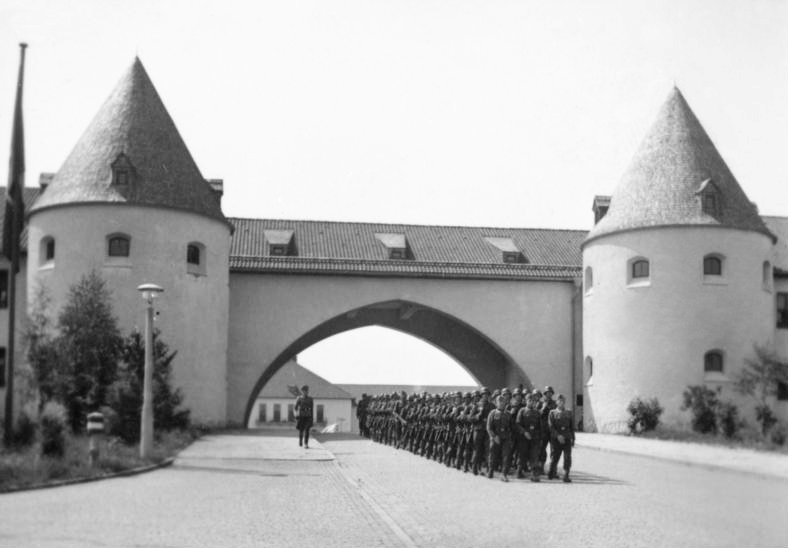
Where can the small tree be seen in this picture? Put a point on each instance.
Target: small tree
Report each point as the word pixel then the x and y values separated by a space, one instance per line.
pixel 89 347
pixel 41 349
pixel 759 380
pixel 126 393
pixel 702 402
pixel 644 415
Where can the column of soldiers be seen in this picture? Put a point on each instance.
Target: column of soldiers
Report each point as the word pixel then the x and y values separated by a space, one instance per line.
pixel 477 431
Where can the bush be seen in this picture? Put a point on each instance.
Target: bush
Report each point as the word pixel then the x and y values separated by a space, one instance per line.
pixel 645 415
pixel 727 418
pixel 25 429
pixel 779 434
pixel 765 416
pixel 54 419
pixel 702 402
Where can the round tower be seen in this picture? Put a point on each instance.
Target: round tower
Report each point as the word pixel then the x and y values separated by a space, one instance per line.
pixel 130 203
pixel 676 277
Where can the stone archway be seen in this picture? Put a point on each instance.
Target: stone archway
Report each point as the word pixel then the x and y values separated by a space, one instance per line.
pixel 476 352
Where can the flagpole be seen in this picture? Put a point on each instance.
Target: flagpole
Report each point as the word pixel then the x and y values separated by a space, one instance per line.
pixel 15 177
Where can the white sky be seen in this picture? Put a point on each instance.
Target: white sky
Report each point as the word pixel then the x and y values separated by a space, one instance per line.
pixel 487 112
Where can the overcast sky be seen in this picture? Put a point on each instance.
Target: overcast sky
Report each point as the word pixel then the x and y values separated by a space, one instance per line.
pixel 486 113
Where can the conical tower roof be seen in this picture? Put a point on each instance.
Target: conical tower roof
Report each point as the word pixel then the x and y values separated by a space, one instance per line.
pixel 664 185
pixel 134 129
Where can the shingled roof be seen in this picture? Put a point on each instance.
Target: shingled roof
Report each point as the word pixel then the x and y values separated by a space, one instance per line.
pixel 663 184
pixel 294 374
pixel 322 247
pixel 132 122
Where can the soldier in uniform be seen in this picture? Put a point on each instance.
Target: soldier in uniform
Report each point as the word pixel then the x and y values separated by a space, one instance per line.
pixel 529 428
pixel 479 424
pixel 545 407
pixel 499 429
pixel 303 412
pixel 562 438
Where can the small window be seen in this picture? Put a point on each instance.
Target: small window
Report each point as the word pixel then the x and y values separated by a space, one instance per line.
pixel 320 416
pixel 2 366
pixel 710 203
pixel 782 391
pixel 3 288
pixel 119 246
pixel 193 254
pixel 277 412
pixel 261 412
pixel 290 412
pixel 767 276
pixel 397 254
pixel 579 400
pixel 640 269
pixel 589 279
pixel 122 172
pixel 278 250
pixel 712 266
pixel 782 310
pixel 47 250
pixel 712 362
pixel 512 257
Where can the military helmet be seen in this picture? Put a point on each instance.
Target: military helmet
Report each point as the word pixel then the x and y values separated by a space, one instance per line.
pixel 548 389
pixel 485 390
pixel 506 392
pixel 517 392
pixel 467 395
pixel 477 393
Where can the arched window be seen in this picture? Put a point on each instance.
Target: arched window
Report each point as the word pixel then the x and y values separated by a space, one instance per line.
pixel 589 281
pixel 47 250
pixel 118 245
pixel 712 265
pixel 589 363
pixel 712 362
pixel 640 269
pixel 193 254
pixel 196 259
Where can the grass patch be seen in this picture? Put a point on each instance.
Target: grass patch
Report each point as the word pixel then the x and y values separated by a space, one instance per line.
pixel 25 467
pixel 747 438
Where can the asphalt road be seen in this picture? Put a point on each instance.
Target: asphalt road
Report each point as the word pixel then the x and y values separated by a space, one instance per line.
pixel 265 491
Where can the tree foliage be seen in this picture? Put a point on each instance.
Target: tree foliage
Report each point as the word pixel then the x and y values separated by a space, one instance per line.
pixel 702 403
pixel 126 394
pixel 644 415
pixel 41 349
pixel 759 379
pixel 89 348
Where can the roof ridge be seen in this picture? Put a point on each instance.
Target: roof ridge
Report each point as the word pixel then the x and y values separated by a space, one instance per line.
pixel 418 225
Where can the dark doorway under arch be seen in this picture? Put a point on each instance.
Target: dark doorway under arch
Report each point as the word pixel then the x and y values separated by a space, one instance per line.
pixel 477 353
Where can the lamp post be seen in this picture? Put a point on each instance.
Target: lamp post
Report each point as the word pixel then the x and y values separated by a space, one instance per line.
pixel 149 292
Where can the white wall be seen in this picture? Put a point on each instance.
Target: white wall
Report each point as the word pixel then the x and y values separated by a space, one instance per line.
pixel 193 309
pixel 650 341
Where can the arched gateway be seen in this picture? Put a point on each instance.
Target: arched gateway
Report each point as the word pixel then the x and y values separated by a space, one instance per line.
pixel 499 301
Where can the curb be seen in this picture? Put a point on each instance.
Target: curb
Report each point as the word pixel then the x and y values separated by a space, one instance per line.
pixel 130 472
pixel 690 463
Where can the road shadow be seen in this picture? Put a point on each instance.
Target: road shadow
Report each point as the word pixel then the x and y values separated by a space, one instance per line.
pixel 340 436
pixel 593 479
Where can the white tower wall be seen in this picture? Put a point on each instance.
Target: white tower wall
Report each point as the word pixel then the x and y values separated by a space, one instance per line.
pixel 193 310
pixel 649 339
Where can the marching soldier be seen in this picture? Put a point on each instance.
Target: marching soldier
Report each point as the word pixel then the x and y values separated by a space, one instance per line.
pixel 545 407
pixel 479 424
pixel 499 429
pixel 562 438
pixel 529 423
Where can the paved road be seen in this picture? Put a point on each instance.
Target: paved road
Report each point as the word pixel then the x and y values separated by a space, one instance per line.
pixel 254 490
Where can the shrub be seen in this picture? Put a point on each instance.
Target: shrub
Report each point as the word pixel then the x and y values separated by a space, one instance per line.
pixel 702 403
pixel 54 420
pixel 644 415
pixel 779 434
pixel 727 418
pixel 765 416
pixel 25 429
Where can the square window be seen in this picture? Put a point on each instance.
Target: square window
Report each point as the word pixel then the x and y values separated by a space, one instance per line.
pixel 119 246
pixel 782 310
pixel 640 269
pixel 279 250
pixel 261 412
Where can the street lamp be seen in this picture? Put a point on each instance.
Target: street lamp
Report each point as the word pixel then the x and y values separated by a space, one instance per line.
pixel 149 292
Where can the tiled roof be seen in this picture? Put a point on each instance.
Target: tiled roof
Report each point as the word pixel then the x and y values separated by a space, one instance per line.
pixel 293 374
pixel 779 227
pixel 437 251
pixel 661 184
pixel 133 121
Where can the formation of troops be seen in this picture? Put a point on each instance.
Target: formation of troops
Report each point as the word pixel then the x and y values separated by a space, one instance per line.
pixel 476 431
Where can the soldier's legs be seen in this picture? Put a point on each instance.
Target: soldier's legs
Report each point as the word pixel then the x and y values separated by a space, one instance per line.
pixel 523 446
pixel 479 442
pixel 494 457
pixel 567 448
pixel 506 449
pixel 543 454
pixel 555 454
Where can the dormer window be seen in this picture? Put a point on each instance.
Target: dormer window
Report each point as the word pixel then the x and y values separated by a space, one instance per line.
pixel 709 198
pixel 396 246
pixel 280 243
pixel 600 207
pixel 122 172
pixel 510 253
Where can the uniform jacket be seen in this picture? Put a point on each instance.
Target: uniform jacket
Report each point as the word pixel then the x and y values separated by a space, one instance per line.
pixel 562 423
pixel 530 420
pixel 499 423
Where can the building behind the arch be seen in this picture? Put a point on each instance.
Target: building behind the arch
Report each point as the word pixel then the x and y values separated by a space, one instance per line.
pixel 677 280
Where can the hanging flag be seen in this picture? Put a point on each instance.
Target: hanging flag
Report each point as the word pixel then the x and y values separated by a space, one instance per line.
pixel 14 219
